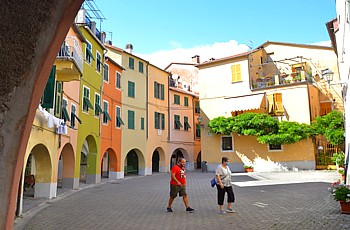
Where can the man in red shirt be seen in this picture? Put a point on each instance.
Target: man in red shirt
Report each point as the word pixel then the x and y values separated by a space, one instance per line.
pixel 178 185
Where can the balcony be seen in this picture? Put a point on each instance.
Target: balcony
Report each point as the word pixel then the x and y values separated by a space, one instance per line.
pixel 69 61
pixel 281 79
pixel 275 74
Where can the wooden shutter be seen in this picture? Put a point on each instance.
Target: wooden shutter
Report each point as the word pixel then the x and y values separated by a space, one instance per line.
pixel 163 121
pixel 279 110
pixel 156 120
pixel 271 104
pixel 236 73
pixel 162 91
pixel 156 89
pixel 49 91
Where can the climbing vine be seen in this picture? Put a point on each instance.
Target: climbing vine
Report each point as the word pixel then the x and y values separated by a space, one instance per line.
pixel 269 130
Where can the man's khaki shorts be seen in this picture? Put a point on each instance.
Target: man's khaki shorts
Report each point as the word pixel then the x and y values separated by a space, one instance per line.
pixel 175 189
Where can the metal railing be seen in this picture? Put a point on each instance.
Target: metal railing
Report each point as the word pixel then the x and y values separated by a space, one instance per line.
pixel 71 49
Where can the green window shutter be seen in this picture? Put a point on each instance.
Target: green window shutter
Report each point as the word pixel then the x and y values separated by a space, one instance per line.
pixel 88 103
pixel 131 119
pixel 131 89
pixel 141 67
pixel 163 121
pixel 142 123
pixel 177 99
pixel 156 89
pixel 65 115
pixel 186 124
pixel 162 92
pixel 49 91
pixel 98 109
pixel 118 79
pixel 198 130
pixel 156 120
pixel 186 101
pixel 105 72
pixel 131 63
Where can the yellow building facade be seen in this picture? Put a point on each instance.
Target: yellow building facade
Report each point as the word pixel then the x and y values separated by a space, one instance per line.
pixel 261 81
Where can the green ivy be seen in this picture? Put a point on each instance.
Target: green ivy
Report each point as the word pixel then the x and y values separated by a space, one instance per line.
pixel 269 130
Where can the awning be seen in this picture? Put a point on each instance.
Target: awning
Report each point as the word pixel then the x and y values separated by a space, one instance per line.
pixel 243 103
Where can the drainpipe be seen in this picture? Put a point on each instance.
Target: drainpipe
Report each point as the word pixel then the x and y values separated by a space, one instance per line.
pixel 146 120
pixel 169 109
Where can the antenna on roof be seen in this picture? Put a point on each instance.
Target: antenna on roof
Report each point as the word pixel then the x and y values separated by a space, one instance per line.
pixel 249 43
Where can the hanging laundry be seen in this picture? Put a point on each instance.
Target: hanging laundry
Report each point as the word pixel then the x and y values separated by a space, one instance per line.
pixel 62 129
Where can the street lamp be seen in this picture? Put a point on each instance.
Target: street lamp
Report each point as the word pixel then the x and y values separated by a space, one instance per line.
pixel 327 75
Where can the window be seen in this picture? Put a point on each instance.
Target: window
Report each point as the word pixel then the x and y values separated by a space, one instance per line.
pixel 236 73
pixel 98 62
pixel 118 79
pixel 142 123
pixel 118 118
pixel 58 98
pixel 73 116
pixel 64 114
pixel 131 63
pixel 88 52
pixel 186 124
pixel 186 101
pixel 177 99
pixel 159 120
pixel 98 109
pixel 158 90
pixel 197 108
pixel 106 116
pixel 106 72
pixel 177 122
pixel 131 89
pixel 275 104
pixel 198 130
pixel 141 67
pixel 131 119
pixel 275 147
pixel 226 143
pixel 86 100
pixel 49 92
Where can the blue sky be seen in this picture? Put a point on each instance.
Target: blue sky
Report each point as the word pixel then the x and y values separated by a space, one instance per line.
pixel 161 25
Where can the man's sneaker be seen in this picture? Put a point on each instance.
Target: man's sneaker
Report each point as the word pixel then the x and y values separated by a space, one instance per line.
pixel 222 212
pixel 230 210
pixel 189 209
pixel 169 210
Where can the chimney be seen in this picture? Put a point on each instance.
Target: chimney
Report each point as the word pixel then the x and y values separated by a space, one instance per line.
pixel 81 16
pixel 93 27
pixel 109 42
pixel 195 59
pixel 129 48
pixel 103 37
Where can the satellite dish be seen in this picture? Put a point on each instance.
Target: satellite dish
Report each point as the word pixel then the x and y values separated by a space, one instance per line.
pixel 174 76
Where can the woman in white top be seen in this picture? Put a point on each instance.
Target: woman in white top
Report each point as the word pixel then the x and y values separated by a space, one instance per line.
pixel 223 178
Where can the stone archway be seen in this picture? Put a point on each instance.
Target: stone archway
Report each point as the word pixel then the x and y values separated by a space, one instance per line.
pixel 47 22
pixel 109 164
pixel 134 163
pixel 158 160
pixel 89 170
pixel 39 169
pixel 178 153
pixel 66 165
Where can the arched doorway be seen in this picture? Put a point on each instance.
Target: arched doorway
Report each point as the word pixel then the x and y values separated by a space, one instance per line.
pixel 89 169
pixel 66 164
pixel 105 165
pixel 155 161
pixel 38 174
pixel 199 160
pixel 131 166
pixel 109 164
pixel 175 157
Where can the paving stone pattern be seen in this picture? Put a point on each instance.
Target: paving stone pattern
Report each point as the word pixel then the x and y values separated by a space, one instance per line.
pixel 140 203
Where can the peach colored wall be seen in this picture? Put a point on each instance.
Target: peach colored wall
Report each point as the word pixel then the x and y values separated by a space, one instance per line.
pixel 157 137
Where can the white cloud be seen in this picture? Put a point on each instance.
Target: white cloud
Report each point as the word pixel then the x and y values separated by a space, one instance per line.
pixel 217 50
pixel 322 43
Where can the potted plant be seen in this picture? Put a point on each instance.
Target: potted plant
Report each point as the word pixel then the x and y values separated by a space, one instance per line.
pixel 341 193
pixel 248 168
pixel 339 160
pixel 341 171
